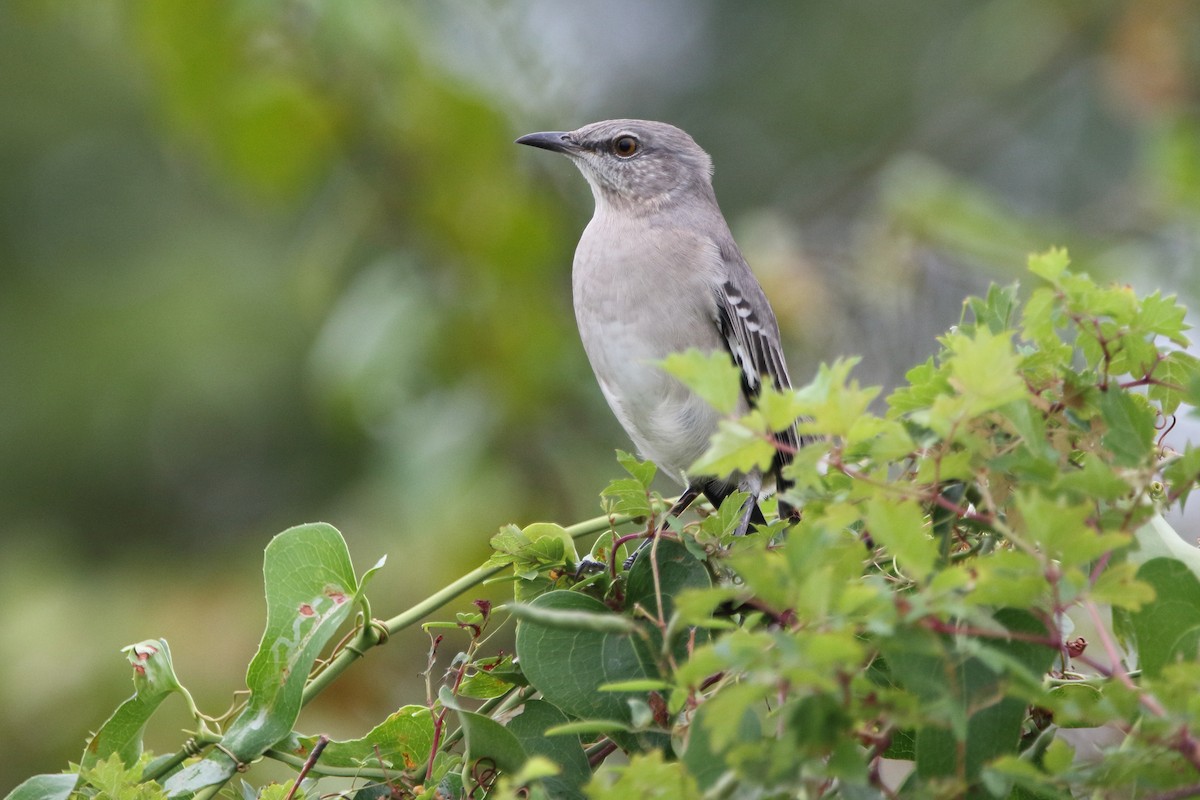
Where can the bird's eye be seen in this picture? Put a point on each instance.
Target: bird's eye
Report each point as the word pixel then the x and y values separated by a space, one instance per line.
pixel 626 146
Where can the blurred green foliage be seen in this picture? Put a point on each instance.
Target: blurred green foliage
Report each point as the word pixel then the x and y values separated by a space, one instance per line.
pixel 262 263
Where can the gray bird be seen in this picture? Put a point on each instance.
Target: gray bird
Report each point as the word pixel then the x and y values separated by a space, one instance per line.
pixel 657 272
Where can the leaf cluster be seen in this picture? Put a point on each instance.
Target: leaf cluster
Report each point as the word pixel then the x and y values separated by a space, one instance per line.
pixel 917 634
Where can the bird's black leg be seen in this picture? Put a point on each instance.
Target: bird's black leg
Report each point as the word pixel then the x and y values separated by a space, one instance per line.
pixel 681 505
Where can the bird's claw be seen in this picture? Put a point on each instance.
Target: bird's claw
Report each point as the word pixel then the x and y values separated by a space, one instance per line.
pixel 588 566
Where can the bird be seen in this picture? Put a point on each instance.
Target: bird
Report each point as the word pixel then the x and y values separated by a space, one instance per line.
pixel 657 272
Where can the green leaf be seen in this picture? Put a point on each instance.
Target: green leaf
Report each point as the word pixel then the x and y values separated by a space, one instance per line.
pixel 568 665
pixel 981 714
pixel 1009 577
pixel 926 382
pixel 311 591
pixel 1095 479
pixel 1129 423
pixel 997 309
pixel 707 761
pixel 539 546
pixel 1051 264
pixel 1118 586
pixel 1162 316
pixel 678 570
pixel 400 743
pixel 713 376
pixel 647 777
pixel 1061 529
pixel 110 779
pixel 153 679
pixel 899 525
pixel 834 401
pixel 627 496
pixel 641 471
pixel 985 369
pixel 1058 757
pixel 736 447
pixel 1177 372
pixel 530 729
pixel 1169 628
pixel 1030 425
pixel 1039 320
pixel 779 407
pixel 1183 472
pixel 483 685
pixel 44 787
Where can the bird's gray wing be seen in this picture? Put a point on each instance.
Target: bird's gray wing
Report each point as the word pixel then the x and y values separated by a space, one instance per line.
pixel 751 334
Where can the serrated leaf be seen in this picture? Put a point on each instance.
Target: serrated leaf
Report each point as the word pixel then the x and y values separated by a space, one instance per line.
pixel 1162 316
pixel 779 407
pixel 1129 426
pixel 486 738
pixel 627 496
pixel 985 369
pixel 641 471
pixel 713 376
pixel 1050 264
pixel 1169 628
pixel 710 737
pixel 995 311
pixel 833 401
pixel 647 776
pixel 1094 479
pixel 1117 586
pixel 900 527
pixel 1009 577
pixel 982 717
pixel 1060 529
pixel 1039 318
pixel 926 382
pixel 1183 473
pixel 1177 373
pixel 736 447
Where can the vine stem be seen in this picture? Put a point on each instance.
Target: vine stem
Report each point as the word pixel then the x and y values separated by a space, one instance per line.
pixel 377 632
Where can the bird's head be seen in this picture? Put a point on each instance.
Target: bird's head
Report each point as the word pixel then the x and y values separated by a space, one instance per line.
pixel 632 163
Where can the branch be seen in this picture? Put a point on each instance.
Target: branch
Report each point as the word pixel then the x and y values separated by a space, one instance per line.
pixel 377 632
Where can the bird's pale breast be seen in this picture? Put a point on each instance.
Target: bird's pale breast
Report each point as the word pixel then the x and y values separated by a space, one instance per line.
pixel 637 264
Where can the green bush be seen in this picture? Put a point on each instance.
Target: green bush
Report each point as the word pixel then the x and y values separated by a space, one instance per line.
pixel 916 634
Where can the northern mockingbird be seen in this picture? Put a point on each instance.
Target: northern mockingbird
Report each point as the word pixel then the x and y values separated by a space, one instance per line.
pixel 657 272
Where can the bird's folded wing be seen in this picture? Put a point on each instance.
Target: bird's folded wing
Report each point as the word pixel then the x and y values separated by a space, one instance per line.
pixel 751 335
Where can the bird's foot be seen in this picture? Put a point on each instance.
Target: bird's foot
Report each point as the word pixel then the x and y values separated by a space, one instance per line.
pixel 588 566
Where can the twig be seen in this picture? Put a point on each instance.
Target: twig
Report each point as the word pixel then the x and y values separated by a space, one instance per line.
pixel 322 740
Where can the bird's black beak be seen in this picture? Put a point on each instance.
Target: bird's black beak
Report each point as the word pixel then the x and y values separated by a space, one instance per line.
pixel 557 141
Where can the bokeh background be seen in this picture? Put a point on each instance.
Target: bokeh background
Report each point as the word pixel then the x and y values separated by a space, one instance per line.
pixel 263 263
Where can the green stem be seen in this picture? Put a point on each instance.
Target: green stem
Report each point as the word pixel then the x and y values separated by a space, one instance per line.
pixel 199 742
pixel 330 772
pixel 370 635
